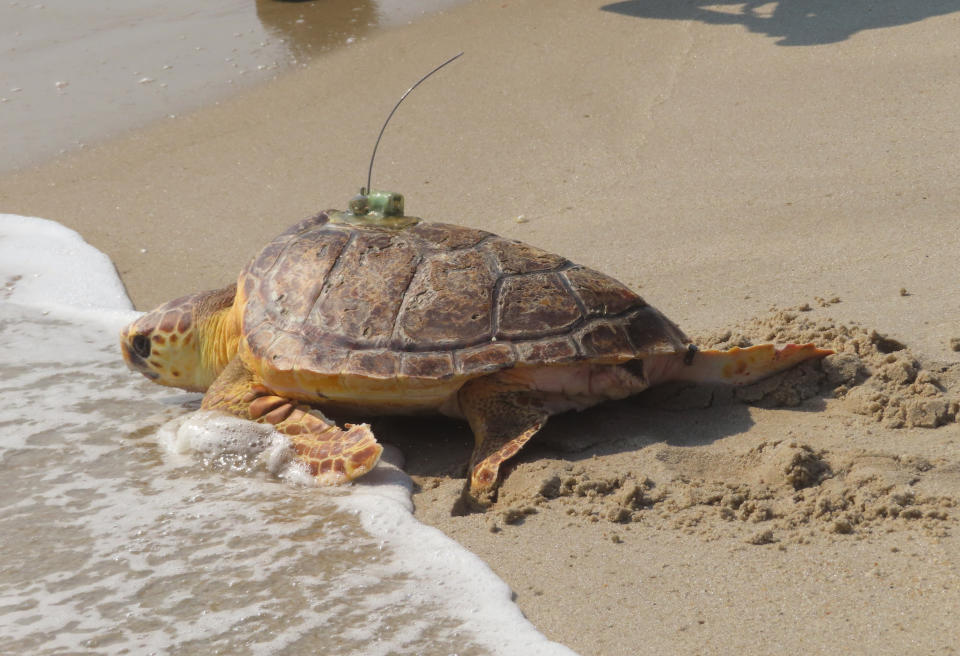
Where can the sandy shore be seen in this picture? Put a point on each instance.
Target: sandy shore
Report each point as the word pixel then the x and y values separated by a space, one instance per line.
pixel 722 164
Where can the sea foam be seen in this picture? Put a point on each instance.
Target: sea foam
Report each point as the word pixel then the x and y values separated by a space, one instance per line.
pixel 133 525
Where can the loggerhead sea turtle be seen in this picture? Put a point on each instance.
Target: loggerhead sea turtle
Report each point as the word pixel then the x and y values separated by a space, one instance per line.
pixel 375 312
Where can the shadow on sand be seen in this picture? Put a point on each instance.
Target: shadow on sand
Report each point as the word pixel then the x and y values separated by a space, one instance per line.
pixel 439 446
pixel 792 22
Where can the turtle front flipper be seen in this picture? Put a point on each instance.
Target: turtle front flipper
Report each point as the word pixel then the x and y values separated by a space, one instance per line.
pixel 503 417
pixel 334 455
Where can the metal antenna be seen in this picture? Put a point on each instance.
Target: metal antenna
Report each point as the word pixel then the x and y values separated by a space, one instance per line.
pixel 407 93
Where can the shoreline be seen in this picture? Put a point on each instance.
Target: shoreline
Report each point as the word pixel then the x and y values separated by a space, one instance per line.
pixel 81 75
pixel 709 165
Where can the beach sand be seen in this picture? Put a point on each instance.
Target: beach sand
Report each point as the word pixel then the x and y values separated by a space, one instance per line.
pixel 779 174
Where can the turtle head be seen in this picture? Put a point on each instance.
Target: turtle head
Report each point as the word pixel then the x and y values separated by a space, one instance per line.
pixel 184 343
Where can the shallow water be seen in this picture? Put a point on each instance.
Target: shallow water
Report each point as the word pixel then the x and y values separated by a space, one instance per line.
pixel 115 543
pixel 76 71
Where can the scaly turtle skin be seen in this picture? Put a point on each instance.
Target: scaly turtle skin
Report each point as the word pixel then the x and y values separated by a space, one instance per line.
pixel 376 312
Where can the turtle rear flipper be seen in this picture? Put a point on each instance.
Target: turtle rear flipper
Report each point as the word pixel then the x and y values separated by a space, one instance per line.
pixel 334 455
pixel 503 417
pixel 739 366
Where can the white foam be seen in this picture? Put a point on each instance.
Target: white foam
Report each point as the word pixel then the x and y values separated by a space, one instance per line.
pixel 45 265
pixel 227 441
pixel 196 545
pixel 458 581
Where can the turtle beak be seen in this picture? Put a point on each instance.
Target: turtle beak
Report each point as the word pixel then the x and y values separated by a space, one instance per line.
pixel 134 361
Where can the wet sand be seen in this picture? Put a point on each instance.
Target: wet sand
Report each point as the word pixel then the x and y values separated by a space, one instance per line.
pixel 721 163
pixel 75 73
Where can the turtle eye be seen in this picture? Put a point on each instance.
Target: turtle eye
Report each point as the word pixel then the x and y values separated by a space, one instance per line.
pixel 141 346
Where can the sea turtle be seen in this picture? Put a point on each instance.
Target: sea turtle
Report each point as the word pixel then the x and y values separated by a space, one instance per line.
pixel 372 311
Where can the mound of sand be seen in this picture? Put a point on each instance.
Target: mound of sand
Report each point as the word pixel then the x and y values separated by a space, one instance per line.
pixel 875 375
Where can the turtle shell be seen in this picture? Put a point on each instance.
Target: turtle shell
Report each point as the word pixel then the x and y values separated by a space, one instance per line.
pixel 433 301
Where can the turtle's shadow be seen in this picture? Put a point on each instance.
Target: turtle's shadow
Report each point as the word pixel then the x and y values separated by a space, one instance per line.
pixel 431 445
pixel 439 446
pixel 655 417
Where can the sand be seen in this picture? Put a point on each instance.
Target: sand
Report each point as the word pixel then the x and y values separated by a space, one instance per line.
pixel 774 174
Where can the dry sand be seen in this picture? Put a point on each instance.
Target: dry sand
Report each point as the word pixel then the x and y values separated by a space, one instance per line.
pixel 787 173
